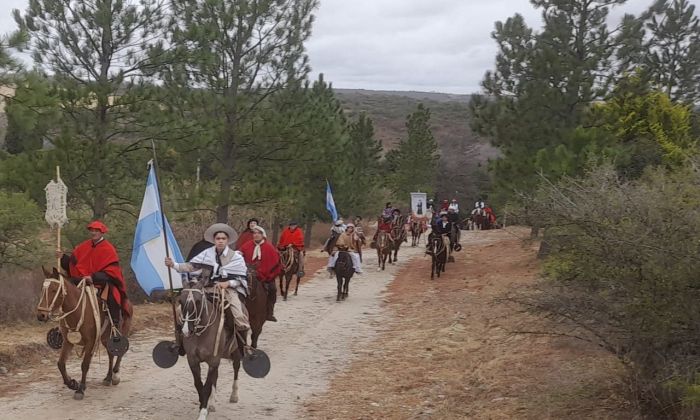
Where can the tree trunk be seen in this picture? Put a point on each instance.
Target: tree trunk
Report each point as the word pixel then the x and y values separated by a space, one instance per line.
pixel 308 226
pixel 275 229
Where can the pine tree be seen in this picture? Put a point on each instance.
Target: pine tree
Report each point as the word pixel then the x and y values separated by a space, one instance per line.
pixel 672 49
pixel 412 166
pixel 229 60
pixel 95 52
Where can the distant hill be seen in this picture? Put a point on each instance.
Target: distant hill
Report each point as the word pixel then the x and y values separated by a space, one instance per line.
pixel 463 154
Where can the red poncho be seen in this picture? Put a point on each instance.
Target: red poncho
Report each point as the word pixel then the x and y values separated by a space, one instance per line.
pixel 294 238
pixel 87 260
pixel 268 266
pixel 246 236
pixel 384 227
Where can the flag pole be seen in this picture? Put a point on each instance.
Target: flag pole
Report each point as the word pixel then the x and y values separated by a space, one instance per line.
pixel 165 233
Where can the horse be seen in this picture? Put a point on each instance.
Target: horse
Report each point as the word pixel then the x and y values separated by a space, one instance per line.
pixel 416 232
pixel 454 235
pixel 344 271
pixel 80 313
pixel 438 251
pixel 289 258
pixel 256 304
pixel 398 232
pixel 384 248
pixel 206 339
pixel 477 219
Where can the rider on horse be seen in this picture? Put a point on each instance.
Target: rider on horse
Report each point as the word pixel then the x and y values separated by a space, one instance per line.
pixel 350 242
pixel 453 206
pixel 383 225
pixel 398 221
pixel 96 260
pixel 293 237
pixel 266 260
pixel 224 267
pixel 247 234
pixel 388 210
pixel 442 227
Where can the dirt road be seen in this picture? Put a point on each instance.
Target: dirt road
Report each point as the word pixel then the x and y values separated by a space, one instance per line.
pixel 312 342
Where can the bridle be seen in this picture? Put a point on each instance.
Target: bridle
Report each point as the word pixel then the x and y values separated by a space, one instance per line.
pixel 81 304
pixel 198 314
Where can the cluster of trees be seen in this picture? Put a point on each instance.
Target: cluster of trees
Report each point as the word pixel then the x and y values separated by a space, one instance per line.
pixel 221 87
pixel 598 128
pixel 541 100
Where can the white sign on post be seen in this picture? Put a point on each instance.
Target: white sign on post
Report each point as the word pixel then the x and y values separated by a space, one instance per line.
pixel 419 202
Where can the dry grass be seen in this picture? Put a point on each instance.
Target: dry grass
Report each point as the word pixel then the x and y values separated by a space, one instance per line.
pixel 448 352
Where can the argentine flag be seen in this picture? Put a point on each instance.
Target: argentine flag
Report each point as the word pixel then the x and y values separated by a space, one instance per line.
pixel 148 256
pixel 330 204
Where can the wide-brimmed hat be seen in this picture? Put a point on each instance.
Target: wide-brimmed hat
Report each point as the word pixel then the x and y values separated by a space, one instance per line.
pixel 221 227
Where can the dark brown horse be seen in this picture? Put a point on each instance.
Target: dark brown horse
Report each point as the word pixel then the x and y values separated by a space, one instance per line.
pixel 398 232
pixel 289 258
pixel 384 247
pixel 256 304
pixel 438 251
pixel 343 273
pixel 81 321
pixel 207 339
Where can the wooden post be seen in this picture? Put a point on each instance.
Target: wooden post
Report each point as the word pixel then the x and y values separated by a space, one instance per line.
pixel 58 228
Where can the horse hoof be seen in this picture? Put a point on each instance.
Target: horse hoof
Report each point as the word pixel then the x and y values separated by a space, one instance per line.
pixel 73 384
pixel 78 395
pixel 285 298
pixel 115 380
pixel 233 399
pixel 107 382
pixel 295 293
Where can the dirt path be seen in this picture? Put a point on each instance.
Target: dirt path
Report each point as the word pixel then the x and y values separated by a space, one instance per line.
pixel 449 351
pixel 313 341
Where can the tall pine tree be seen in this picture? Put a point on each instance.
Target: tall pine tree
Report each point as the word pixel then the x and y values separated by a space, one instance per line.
pixel 412 166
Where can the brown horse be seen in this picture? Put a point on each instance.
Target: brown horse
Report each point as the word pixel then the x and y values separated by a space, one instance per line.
pixel 207 339
pixel 289 258
pixel 256 304
pixel 384 247
pixel 78 312
pixel 416 232
pixel 398 232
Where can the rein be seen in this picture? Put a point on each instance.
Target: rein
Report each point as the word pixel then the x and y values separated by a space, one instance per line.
pixel 84 290
pixel 210 316
pixel 289 257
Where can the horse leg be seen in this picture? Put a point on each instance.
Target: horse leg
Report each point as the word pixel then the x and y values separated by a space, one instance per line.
pixel 284 296
pixel 107 381
pixel 346 286
pixel 296 289
pixel 65 351
pixel 212 376
pixel 234 389
pixel 196 370
pixel 85 366
pixel 339 280
pixel 289 281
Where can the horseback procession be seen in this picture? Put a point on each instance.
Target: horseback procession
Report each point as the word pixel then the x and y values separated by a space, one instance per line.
pixel 222 294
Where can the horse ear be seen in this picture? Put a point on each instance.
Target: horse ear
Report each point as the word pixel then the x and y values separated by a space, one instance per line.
pixel 47 273
pixel 55 273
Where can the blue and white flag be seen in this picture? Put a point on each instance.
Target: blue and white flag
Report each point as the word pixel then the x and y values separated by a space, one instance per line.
pixel 148 255
pixel 330 204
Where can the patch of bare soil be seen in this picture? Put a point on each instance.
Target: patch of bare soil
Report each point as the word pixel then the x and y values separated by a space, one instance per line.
pixel 447 349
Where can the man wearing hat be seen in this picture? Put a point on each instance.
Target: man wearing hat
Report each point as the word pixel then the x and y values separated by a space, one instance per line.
pixel 350 242
pixel 225 267
pixel 264 257
pixel 292 236
pixel 97 261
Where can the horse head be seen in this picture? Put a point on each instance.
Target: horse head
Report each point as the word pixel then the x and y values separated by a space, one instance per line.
pixel 192 302
pixel 53 291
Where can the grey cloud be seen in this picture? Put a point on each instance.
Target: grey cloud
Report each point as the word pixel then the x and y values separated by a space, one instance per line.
pixel 434 45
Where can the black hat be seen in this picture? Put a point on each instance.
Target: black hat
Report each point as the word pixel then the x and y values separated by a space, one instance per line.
pixel 293 223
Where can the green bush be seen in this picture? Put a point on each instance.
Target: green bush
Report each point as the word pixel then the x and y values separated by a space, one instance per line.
pixel 622 272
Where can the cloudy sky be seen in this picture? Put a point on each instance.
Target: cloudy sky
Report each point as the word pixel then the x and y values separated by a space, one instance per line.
pixel 424 45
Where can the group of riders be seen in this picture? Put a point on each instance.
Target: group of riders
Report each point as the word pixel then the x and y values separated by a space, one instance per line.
pixel 223 258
